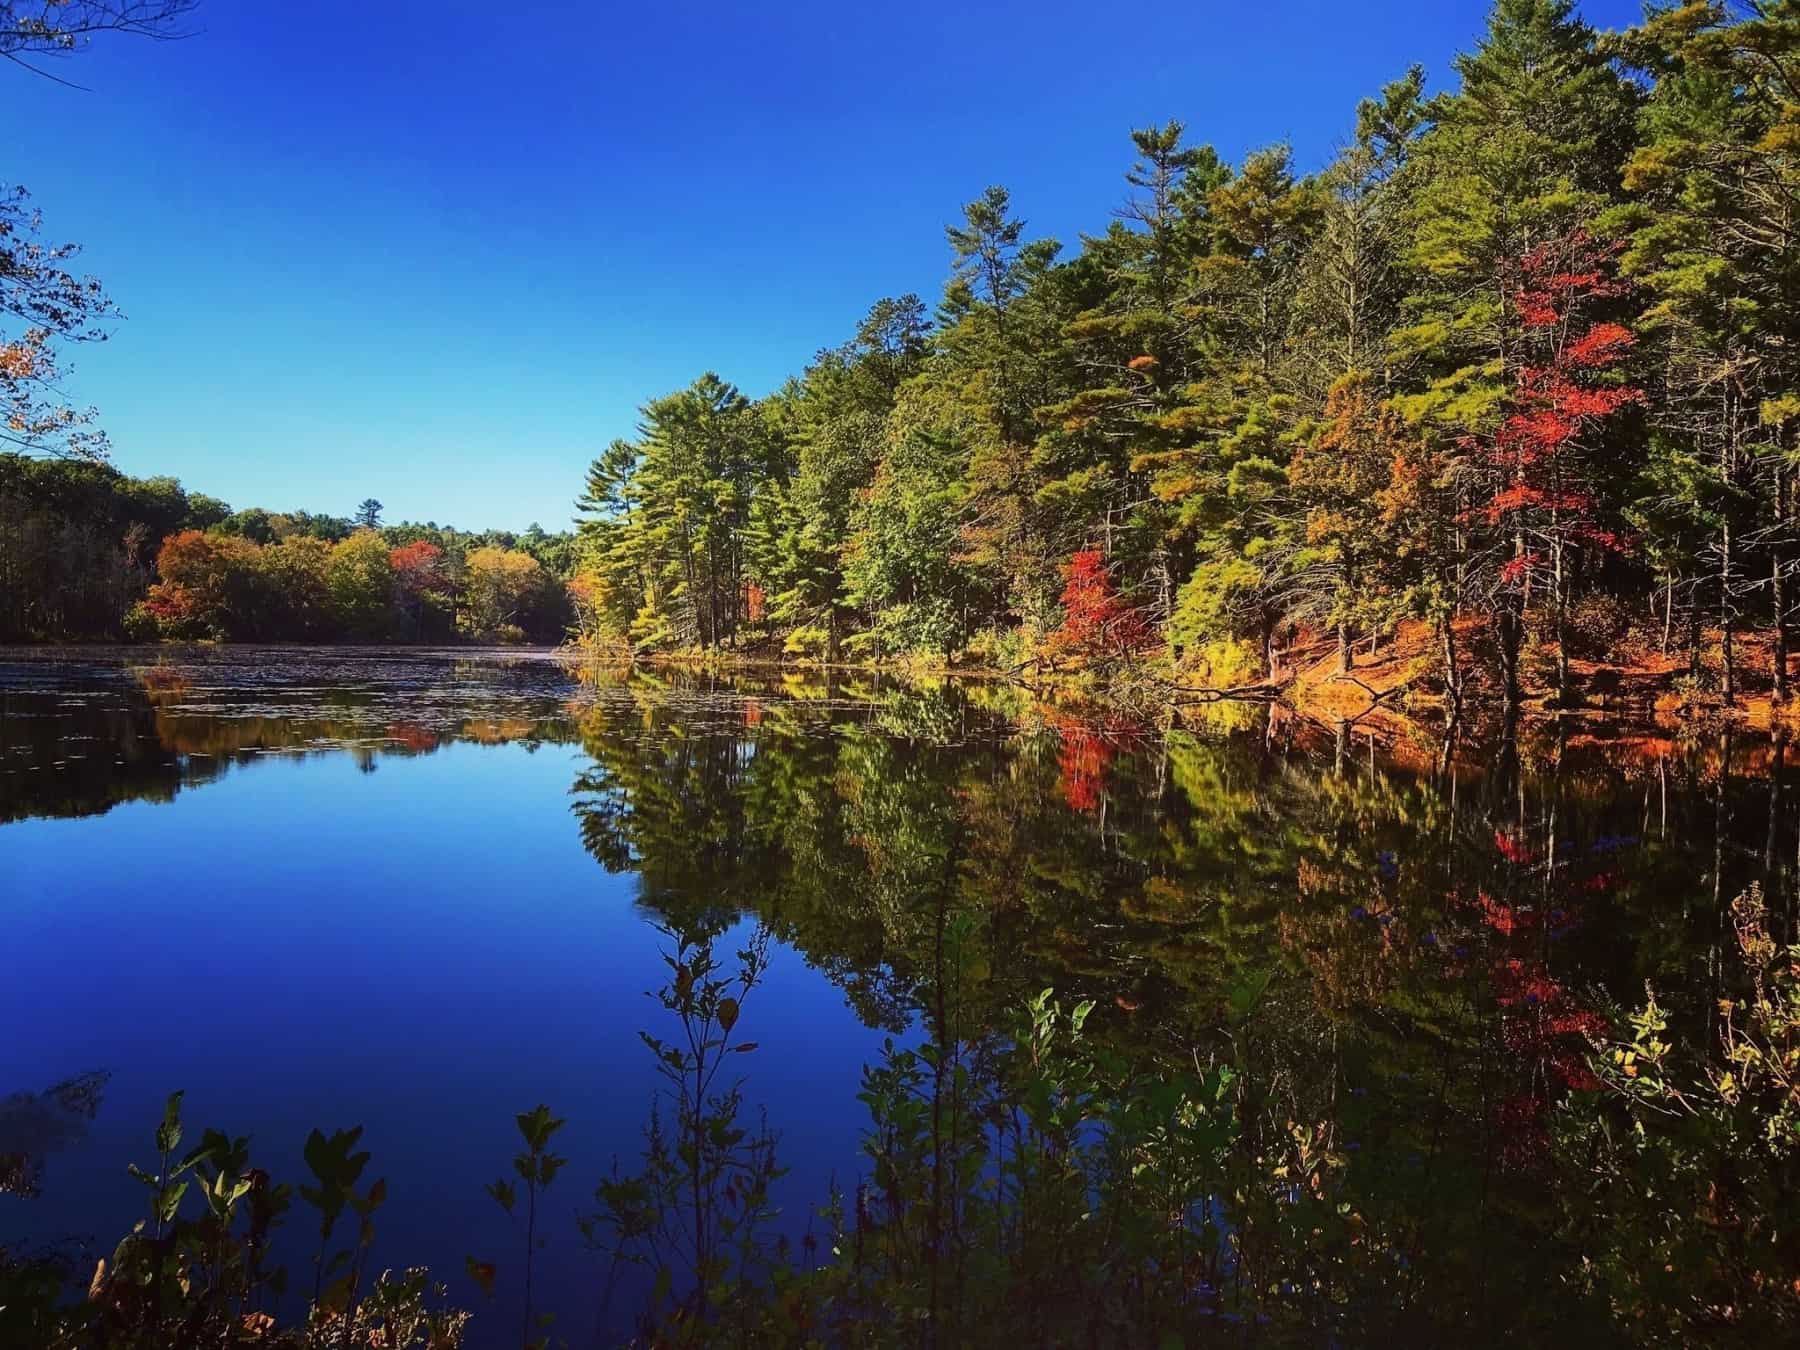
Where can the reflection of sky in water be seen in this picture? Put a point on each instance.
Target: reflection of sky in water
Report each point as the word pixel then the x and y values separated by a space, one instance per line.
pixel 424 950
pixel 341 888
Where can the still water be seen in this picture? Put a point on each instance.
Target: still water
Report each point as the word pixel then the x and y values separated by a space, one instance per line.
pixel 421 892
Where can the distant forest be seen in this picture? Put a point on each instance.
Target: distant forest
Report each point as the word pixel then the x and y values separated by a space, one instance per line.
pixel 1520 365
pixel 89 553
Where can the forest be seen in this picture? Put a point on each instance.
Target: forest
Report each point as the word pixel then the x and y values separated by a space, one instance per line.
pixel 1515 371
pixel 1512 375
pixel 1250 1027
pixel 87 552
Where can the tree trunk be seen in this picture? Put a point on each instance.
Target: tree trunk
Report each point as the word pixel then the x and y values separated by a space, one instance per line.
pixel 1343 637
pixel 1510 635
pixel 1778 588
pixel 1778 585
pixel 1560 608
pixel 1452 670
pixel 1728 677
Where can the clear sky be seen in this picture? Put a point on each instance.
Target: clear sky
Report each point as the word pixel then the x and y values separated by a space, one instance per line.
pixel 438 253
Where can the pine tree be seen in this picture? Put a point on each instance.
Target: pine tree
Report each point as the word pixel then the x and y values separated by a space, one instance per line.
pixel 1526 151
pixel 998 341
pixel 1714 241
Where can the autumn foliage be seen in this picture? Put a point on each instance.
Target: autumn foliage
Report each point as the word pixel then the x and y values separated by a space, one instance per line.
pixel 216 585
pixel 1098 624
pixel 1543 458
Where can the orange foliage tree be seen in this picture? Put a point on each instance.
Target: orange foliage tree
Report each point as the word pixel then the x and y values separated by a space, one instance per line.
pixel 422 585
pixel 208 587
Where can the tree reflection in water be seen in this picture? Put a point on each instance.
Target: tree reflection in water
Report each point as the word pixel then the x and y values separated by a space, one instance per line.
pixel 1324 998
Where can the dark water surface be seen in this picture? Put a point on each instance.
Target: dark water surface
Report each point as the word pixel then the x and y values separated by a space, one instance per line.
pixel 422 891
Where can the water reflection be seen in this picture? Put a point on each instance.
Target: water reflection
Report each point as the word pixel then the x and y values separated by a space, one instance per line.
pixel 33 1125
pixel 1408 939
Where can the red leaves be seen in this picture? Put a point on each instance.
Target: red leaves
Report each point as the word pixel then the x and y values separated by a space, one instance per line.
pixel 1514 570
pixel 1521 497
pixel 1514 849
pixel 173 603
pixel 1096 621
pixel 419 568
pixel 1085 752
pixel 1544 1028
pixel 1539 459
pixel 1083 761
pixel 1603 345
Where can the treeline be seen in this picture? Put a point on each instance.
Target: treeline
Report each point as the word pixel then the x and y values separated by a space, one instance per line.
pixel 87 552
pixel 1519 362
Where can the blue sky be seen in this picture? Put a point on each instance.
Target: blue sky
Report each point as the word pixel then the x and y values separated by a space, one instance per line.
pixel 438 253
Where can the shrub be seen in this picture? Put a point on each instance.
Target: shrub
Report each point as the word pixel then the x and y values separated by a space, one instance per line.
pixel 141 625
pixel 809 640
pixel 1596 625
pixel 1693 1152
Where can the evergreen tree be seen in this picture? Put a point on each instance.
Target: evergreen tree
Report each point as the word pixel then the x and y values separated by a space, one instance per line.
pixel 1713 239
pixel 1528 149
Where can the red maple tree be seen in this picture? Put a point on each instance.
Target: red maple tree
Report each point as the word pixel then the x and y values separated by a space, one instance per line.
pixel 1097 622
pixel 419 568
pixel 1540 504
pixel 1543 1026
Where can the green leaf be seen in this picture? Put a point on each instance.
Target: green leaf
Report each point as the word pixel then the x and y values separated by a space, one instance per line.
pixel 503 1194
pixel 168 1134
pixel 169 1201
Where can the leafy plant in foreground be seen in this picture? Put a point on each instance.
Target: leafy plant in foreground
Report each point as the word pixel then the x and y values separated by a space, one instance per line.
pixel 1689 1157
pixel 537 1167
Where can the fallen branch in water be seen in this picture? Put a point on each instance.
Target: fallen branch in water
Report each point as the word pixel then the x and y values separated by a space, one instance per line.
pixel 1262 692
pixel 1376 695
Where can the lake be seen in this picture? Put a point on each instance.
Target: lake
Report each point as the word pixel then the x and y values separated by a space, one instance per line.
pixel 422 891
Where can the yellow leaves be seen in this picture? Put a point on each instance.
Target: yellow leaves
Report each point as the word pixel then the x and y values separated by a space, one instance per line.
pixel 1323 525
pixel 1174 487
pixel 1781 139
pixel 1781 409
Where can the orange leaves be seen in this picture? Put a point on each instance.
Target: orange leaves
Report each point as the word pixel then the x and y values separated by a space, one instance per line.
pixel 172 603
pixel 18 361
pixel 419 567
